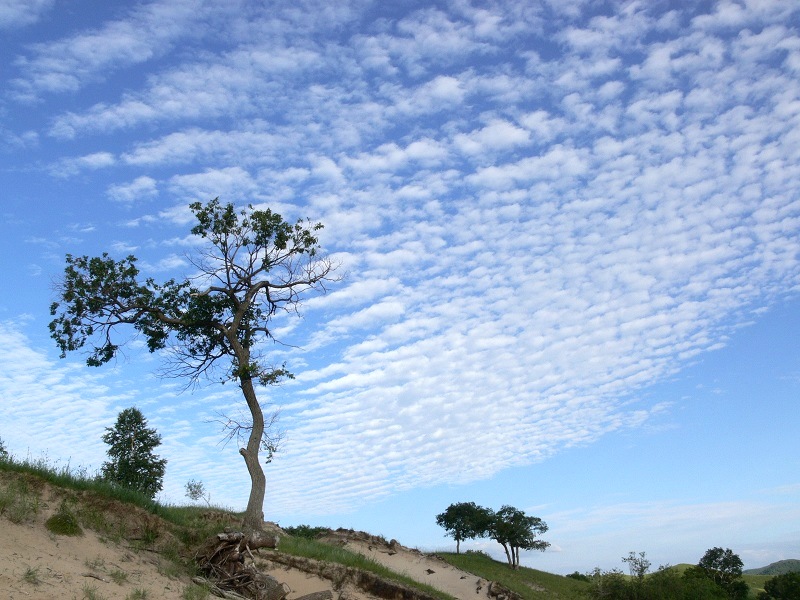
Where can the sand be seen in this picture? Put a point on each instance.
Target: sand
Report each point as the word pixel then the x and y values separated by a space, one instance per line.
pixel 36 564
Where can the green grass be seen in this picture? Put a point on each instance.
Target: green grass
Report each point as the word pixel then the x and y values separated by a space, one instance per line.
pixel 118 576
pixel 756 583
pixel 19 501
pixel 528 583
pixel 90 593
pixel 78 479
pixel 195 592
pixel 31 575
pixel 64 522
pixel 309 548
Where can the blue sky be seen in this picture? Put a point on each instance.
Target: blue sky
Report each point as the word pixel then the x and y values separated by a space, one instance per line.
pixel 568 233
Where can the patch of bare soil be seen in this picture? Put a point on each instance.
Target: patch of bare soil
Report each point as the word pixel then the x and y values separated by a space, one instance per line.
pixel 35 563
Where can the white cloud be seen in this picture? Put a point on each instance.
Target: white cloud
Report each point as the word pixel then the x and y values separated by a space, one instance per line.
pixel 496 135
pixel 72 166
pixel 242 147
pixel 231 184
pixel 140 188
pixel 148 31
pixel 18 13
pixel 669 531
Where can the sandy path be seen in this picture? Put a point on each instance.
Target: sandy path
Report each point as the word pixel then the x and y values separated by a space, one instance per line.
pixel 423 568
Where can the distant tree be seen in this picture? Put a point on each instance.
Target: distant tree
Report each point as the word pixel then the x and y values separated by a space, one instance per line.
pixel 133 464
pixel 724 568
pixel 3 451
pixel 464 521
pixel 516 531
pixel 638 565
pixel 782 587
pixel 608 585
pixel 306 531
pixel 249 266
pixel 664 584
pixel 195 490
pixel 696 584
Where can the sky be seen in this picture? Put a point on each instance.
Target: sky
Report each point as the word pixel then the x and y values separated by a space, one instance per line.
pixel 567 234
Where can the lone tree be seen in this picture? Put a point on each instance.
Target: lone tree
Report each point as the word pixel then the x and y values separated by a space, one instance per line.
pixel 464 521
pixel 724 568
pixel 133 464
pixel 637 565
pixel 253 265
pixel 516 531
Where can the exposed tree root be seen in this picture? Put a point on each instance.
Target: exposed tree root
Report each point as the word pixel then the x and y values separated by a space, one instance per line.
pixel 222 559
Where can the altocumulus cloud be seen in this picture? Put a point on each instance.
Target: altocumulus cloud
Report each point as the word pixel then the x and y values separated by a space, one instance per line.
pixel 540 211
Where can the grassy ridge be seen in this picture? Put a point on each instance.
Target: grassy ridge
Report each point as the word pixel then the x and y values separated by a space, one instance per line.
pixel 781 567
pixel 528 583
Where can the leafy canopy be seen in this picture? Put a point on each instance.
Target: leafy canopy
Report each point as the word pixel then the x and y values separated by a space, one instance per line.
pixel 513 528
pixel 464 520
pixel 249 271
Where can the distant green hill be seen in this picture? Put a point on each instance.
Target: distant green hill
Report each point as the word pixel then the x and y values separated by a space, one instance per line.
pixel 791 565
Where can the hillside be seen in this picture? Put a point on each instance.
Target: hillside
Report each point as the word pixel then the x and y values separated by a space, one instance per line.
pixel 118 548
pixel 791 565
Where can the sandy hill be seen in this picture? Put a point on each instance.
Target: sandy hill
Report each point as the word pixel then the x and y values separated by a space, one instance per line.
pixel 124 552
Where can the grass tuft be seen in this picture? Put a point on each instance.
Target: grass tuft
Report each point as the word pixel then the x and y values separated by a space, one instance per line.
pixel 118 576
pixel 195 592
pixel 528 583
pixel 90 593
pixel 63 522
pixel 31 575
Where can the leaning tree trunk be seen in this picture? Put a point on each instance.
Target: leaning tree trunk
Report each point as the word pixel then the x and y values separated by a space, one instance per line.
pixel 508 556
pixel 253 515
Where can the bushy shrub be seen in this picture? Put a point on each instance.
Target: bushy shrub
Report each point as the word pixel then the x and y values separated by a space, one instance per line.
pixel 665 584
pixel 482 553
pixel 782 587
pixel 305 531
pixel 64 522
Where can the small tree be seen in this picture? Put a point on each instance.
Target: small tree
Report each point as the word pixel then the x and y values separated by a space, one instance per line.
pixel 516 531
pixel 133 464
pixel 3 451
pixel 638 565
pixel 464 521
pixel 195 490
